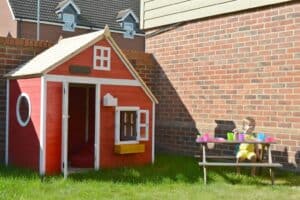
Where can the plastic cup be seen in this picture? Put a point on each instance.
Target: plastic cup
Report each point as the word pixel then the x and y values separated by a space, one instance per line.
pixel 241 137
pixel 230 136
pixel 261 136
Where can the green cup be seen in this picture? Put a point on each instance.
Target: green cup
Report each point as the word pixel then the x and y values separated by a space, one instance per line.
pixel 230 136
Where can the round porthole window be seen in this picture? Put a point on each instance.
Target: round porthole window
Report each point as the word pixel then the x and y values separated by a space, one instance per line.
pixel 23 109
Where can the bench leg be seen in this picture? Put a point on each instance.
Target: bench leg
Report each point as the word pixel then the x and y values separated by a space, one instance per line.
pixel 271 175
pixel 204 174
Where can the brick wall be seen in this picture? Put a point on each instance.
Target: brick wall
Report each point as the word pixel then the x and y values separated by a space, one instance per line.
pixel 12 53
pixel 216 71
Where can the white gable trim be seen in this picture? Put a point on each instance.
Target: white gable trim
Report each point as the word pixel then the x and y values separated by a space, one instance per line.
pixel 130 12
pixel 10 10
pixel 71 2
pixel 130 67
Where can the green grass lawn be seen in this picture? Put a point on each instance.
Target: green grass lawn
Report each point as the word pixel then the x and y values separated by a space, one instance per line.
pixel 171 177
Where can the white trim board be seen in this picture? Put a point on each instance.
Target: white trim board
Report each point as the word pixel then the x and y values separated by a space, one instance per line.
pixel 7 122
pixel 97 126
pixel 77 26
pixel 89 80
pixel 65 127
pixel 43 110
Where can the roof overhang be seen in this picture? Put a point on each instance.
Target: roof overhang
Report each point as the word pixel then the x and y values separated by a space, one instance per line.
pixel 66 3
pixel 129 12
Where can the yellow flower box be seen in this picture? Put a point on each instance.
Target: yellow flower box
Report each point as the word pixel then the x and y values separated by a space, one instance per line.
pixel 129 148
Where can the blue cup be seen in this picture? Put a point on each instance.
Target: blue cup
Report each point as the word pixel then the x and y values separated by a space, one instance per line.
pixel 261 136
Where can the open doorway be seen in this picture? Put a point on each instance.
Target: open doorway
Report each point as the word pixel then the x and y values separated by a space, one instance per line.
pixel 81 130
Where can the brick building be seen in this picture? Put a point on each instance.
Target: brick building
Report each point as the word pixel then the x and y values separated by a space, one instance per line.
pixel 67 18
pixel 221 61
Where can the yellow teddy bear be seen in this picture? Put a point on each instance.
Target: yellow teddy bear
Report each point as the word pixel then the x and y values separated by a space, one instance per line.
pixel 247 151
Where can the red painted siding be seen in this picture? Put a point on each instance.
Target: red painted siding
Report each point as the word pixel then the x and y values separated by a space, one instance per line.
pixel 127 96
pixel 53 127
pixel 24 145
pixel 85 58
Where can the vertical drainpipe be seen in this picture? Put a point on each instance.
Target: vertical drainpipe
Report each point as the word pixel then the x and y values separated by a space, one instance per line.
pixel 38 20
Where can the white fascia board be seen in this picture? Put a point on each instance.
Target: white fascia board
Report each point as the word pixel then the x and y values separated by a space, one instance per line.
pixel 89 80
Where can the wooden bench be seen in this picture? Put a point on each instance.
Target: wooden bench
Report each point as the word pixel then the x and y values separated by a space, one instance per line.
pixel 269 164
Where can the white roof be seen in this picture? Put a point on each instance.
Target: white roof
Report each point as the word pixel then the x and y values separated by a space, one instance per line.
pixel 55 55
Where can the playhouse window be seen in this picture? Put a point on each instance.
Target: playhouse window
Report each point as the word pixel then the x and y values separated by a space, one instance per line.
pixel 23 109
pixel 128 126
pixel 102 58
pixel 131 125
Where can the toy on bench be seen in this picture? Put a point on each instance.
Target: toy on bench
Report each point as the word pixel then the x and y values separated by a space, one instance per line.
pixel 247 151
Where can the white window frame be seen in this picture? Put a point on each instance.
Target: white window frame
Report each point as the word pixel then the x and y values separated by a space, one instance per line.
pixel 102 58
pixel 143 125
pixel 117 124
pixel 19 119
pixel 139 125
pixel 126 33
pixel 66 28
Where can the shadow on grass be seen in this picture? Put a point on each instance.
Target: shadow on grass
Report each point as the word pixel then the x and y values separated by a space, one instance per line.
pixel 167 169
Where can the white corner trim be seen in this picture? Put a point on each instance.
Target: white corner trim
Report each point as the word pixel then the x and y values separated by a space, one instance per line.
pixel 67 4
pixel 97 126
pixel 43 111
pixel 10 10
pixel 129 13
pixel 7 122
pixel 77 26
pixel 153 132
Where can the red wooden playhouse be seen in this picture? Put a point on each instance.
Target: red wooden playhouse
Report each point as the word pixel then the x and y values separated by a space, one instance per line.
pixel 79 104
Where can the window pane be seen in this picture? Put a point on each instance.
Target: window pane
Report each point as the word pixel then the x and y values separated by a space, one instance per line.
pixel 24 109
pixel 128 125
pixel 105 63
pixel 143 132
pixel 105 53
pixel 98 52
pixel 98 62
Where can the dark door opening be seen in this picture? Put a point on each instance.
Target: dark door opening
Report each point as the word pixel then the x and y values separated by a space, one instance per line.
pixel 81 132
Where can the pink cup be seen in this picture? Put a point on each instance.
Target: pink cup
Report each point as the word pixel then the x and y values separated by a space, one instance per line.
pixel 241 137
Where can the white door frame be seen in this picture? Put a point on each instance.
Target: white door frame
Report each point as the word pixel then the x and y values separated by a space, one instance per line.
pixel 65 125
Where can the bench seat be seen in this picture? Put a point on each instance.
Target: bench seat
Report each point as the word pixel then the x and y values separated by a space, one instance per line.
pixel 240 164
